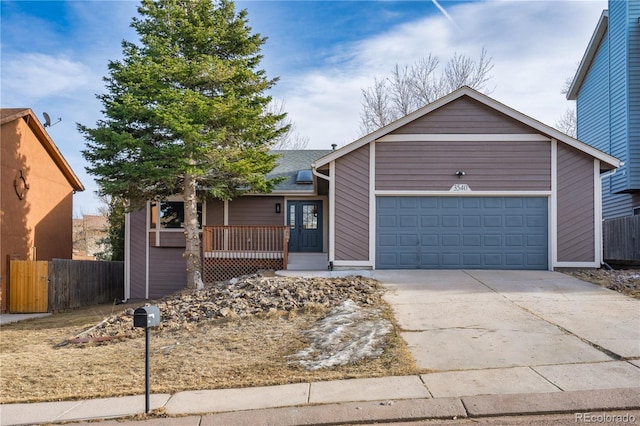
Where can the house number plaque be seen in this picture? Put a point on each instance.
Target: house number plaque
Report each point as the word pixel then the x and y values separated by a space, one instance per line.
pixel 460 187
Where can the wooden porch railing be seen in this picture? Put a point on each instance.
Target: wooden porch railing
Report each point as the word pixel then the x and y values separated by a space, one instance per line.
pixel 231 251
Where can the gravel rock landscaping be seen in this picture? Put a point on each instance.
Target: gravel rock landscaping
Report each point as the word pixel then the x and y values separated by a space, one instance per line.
pixel 625 281
pixel 248 296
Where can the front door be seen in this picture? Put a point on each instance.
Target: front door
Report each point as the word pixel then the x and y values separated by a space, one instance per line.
pixel 305 226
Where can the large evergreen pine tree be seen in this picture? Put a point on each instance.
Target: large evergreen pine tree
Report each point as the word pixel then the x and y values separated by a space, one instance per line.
pixel 185 113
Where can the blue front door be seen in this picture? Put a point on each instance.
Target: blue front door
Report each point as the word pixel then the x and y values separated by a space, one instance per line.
pixel 305 226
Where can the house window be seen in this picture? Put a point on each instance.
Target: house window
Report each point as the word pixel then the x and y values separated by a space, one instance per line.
pixel 309 217
pixel 170 215
pixel 636 211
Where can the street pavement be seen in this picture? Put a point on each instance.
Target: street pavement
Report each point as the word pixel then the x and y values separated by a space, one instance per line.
pixel 495 343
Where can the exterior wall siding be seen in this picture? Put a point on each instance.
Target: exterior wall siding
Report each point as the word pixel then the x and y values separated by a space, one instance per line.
pixel 618 91
pixel 167 271
pixel 256 210
pixel 592 104
pixel 464 115
pixel 137 253
pixel 352 206
pixel 634 93
pixel 576 239
pixel 489 166
pixel 214 212
pixel 168 239
pixel 617 205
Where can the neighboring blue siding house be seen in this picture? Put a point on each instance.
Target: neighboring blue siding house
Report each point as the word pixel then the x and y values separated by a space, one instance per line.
pixel 606 89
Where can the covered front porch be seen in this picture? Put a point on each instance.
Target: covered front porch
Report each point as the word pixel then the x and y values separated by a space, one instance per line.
pixel 231 251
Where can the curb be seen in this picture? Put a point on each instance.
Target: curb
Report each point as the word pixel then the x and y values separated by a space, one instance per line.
pixel 403 410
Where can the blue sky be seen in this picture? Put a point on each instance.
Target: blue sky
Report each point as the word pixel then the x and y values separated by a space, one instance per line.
pixel 54 54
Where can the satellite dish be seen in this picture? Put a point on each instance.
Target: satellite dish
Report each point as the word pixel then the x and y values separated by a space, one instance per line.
pixel 47 120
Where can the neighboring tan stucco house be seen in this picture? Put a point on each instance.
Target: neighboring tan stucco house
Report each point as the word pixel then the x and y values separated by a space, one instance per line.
pixel 465 182
pixel 36 194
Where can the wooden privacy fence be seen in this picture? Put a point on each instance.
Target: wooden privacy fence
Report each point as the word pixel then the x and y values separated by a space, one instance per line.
pixel 28 286
pixel 622 240
pixel 231 251
pixel 50 286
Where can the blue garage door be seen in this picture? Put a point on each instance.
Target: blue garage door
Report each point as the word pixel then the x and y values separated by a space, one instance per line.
pixel 461 232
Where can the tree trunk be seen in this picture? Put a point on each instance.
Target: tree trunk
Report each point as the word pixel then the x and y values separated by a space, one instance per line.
pixel 192 235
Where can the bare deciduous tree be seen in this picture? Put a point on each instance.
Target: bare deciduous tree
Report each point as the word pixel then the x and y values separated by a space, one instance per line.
pixel 377 110
pixel 290 139
pixel 412 87
pixel 568 123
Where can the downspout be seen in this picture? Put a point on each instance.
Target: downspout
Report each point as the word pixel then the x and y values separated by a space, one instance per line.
pixel 603 176
pixel 331 201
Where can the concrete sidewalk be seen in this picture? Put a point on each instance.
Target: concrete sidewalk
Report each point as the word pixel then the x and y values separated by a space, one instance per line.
pixel 497 343
pixel 377 400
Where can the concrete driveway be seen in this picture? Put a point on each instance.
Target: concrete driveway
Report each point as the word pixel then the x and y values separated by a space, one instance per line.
pixel 523 331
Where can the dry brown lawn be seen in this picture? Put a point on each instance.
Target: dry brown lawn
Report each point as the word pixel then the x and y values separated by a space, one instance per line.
pixel 212 355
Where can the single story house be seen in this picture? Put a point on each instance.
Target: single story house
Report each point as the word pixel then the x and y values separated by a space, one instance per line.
pixel 464 182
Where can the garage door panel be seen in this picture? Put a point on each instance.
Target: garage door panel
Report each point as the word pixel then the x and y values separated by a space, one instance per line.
pixel 408 221
pixel 473 240
pixel 472 259
pixel 449 221
pixel 451 260
pixel 429 240
pixel 450 203
pixel 535 259
pixel 492 203
pixel 514 240
pixel 463 232
pixel 537 221
pixel 492 221
pixel 493 260
pixel 514 259
pixel 388 241
pixel 472 221
pixel 471 203
pixel 513 203
pixel 408 240
pixel 408 259
pixel 514 221
pixel 386 221
pixel 429 221
pixel 493 240
pixel 409 203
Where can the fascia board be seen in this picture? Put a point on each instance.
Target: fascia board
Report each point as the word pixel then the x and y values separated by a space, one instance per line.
pixel 589 54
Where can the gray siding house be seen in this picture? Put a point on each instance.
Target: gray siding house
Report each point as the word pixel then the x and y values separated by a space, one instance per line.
pixel 464 182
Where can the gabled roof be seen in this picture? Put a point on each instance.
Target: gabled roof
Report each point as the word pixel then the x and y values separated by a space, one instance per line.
pixel 290 162
pixel 542 128
pixel 589 54
pixel 8 115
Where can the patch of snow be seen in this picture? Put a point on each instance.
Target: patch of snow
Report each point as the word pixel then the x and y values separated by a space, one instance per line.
pixel 348 333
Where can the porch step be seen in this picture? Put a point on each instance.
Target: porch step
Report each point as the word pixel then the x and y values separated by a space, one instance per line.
pixel 308 261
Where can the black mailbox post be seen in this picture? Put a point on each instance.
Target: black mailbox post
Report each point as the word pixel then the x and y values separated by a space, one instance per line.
pixel 146 317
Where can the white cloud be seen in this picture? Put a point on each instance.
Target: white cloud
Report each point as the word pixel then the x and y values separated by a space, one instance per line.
pixel 535 45
pixel 29 77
